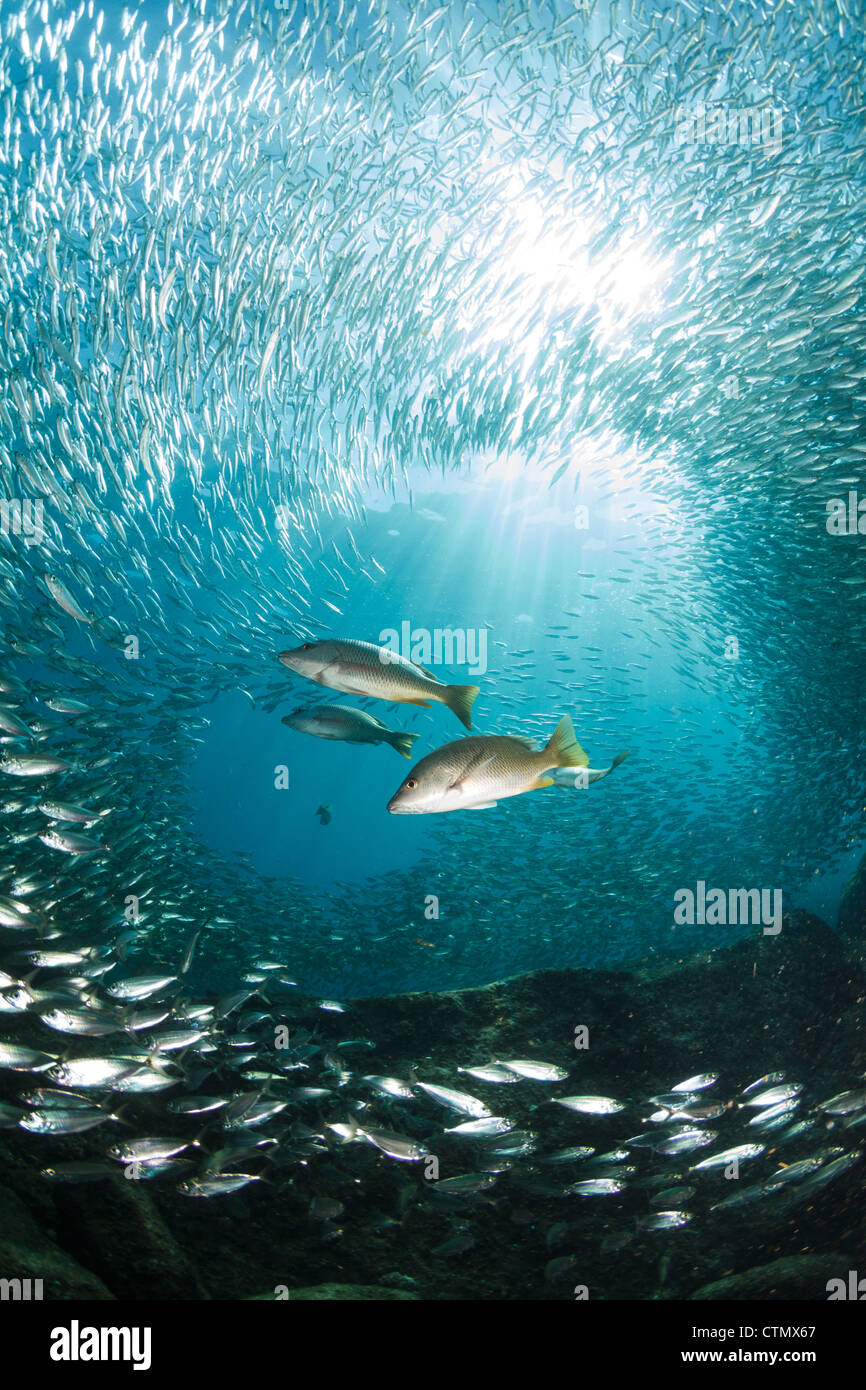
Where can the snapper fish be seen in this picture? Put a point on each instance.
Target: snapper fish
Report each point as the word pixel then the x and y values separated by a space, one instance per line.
pixel 341 722
pixel 476 773
pixel 362 668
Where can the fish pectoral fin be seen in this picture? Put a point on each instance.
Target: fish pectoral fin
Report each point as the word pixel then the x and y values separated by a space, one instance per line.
pixel 482 806
pixel 473 768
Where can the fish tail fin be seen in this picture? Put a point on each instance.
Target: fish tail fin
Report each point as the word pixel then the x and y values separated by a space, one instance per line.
pixel 563 749
pixel 156 1063
pixel 460 699
pixel 106 627
pixel 620 758
pixel 403 743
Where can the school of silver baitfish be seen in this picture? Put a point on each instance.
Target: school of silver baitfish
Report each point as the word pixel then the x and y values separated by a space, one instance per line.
pixel 257 261
pixel 693 1152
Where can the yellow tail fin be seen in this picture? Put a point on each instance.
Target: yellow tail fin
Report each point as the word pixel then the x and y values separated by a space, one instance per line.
pixel 563 749
pixel 460 699
pixel 403 743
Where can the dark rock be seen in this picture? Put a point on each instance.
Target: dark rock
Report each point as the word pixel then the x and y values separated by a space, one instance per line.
pixel 761 1004
pixel 338 1292
pixel 121 1234
pixel 27 1253
pixel 795 1276
pixel 396 1280
pixel 740 1009
pixel 852 905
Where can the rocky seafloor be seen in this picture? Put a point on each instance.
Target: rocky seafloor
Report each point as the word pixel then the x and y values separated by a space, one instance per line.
pixel 791 1003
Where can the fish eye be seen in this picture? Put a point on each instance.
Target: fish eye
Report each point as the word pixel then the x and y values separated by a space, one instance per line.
pixel 411 784
pixel 307 647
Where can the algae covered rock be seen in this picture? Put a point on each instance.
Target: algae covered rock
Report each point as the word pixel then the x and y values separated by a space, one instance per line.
pixel 795 1276
pixel 352 1293
pixel 852 906
pixel 27 1253
pixel 122 1235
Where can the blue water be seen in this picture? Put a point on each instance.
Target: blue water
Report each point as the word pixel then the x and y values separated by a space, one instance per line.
pixel 663 575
